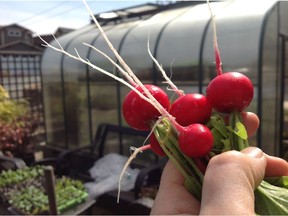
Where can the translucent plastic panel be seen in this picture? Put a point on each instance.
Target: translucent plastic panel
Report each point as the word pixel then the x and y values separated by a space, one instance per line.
pixel 51 60
pixel 74 69
pixel 175 40
pixel 76 95
pixel 135 50
pixel 116 34
pixel 283 8
pixel 104 96
pixel 180 44
pixel 238 28
pixel 104 103
pixel 284 142
pixel 270 86
pixel 53 90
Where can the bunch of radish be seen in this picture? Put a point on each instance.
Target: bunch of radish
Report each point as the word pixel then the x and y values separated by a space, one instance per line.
pixel 227 93
pixel 194 127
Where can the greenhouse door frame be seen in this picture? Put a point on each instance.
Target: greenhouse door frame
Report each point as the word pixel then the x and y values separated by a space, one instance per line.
pixel 283 147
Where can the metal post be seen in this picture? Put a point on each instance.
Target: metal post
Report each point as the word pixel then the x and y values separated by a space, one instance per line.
pixel 50 189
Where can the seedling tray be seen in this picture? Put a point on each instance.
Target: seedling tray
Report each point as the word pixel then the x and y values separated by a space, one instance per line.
pixel 25 194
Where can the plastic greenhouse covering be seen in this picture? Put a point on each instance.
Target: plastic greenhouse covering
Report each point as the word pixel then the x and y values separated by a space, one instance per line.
pixel 78 98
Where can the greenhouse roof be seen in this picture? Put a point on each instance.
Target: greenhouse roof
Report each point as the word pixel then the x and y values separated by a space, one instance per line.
pixel 180 33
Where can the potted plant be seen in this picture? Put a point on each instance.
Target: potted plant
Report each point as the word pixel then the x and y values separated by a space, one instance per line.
pixel 16 126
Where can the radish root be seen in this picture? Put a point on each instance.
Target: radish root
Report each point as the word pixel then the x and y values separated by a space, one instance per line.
pixel 132 83
pixel 156 104
pixel 218 61
pixel 123 72
pixel 168 80
pixel 135 152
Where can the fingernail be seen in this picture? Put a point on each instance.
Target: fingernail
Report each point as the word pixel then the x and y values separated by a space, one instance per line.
pixel 253 152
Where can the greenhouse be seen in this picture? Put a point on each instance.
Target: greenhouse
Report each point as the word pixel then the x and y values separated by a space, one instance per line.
pixel 252 37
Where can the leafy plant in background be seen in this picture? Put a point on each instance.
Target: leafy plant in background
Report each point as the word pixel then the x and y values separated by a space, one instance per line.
pixel 12 177
pixel 16 125
pixel 34 201
pixel 24 190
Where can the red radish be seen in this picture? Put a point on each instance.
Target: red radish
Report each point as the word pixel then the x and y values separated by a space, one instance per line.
pixel 195 140
pixel 138 113
pixel 230 92
pixel 191 108
pixel 155 146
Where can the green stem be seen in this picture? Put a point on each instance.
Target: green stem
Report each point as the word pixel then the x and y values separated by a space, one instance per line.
pixel 237 143
pixel 167 138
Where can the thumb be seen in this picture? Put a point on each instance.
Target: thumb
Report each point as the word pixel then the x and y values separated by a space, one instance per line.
pixel 230 181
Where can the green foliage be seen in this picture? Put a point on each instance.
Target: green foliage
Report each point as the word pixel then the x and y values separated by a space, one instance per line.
pixel 271 199
pixel 24 190
pixel 10 110
pixel 10 177
pixel 30 200
pixel 3 93
pixel 16 125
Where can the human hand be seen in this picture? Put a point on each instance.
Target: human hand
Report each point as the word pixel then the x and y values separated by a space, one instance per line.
pixel 229 181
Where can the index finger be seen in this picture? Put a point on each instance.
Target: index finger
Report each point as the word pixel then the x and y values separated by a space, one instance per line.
pixel 251 122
